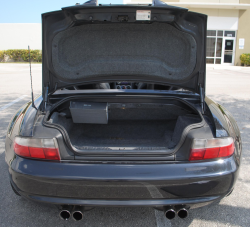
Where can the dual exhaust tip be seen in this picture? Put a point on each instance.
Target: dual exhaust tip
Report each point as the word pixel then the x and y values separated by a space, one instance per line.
pixel 171 212
pixel 75 211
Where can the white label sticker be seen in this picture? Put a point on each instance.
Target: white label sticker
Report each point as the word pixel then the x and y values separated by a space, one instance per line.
pixel 241 43
pixel 143 14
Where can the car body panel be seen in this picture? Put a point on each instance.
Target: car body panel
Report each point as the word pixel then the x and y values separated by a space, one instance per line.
pixel 22 123
pixel 226 125
pixel 103 183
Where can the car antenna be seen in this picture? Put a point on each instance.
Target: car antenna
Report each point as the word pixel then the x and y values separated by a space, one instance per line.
pixel 32 96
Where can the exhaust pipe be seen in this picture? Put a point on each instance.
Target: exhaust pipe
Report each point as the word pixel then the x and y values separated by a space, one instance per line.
pixel 65 212
pixel 77 213
pixel 182 213
pixel 169 213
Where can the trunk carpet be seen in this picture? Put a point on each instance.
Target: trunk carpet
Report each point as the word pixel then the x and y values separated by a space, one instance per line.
pixel 126 133
pixel 123 133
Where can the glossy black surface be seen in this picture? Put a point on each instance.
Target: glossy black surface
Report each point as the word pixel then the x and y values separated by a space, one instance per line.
pixel 226 125
pixel 107 184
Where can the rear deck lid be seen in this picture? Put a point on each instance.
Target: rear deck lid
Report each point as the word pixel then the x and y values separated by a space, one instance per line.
pixel 155 44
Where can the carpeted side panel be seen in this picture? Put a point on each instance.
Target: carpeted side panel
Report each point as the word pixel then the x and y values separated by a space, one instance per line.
pixel 181 124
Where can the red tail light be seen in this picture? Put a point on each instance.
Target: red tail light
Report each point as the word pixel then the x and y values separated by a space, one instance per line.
pixel 211 148
pixel 37 148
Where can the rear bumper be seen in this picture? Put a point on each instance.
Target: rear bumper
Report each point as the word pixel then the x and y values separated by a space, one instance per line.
pixel 193 184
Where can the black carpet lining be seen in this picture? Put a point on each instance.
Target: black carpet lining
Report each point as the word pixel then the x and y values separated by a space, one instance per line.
pixel 95 50
pixel 126 133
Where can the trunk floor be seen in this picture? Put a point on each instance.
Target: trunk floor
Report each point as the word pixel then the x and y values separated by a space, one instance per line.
pixel 124 133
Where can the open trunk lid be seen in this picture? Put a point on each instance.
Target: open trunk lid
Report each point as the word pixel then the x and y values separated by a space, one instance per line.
pixel 88 44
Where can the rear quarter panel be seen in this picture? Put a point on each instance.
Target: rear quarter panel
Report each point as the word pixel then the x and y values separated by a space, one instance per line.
pixel 21 124
pixel 226 125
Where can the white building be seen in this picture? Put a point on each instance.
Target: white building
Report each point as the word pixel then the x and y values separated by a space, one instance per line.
pixel 228 34
pixel 19 36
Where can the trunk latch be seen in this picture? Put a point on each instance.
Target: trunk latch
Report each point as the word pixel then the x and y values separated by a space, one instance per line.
pixel 122 18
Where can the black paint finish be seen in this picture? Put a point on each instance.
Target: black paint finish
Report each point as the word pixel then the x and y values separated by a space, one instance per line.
pixel 107 184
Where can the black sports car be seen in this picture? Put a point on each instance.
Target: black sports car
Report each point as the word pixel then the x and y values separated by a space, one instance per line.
pixel 123 119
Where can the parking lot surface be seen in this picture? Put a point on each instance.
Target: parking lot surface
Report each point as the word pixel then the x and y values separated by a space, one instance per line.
pixel 230 86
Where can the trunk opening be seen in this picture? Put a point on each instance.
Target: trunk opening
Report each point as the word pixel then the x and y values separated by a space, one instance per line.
pixel 131 126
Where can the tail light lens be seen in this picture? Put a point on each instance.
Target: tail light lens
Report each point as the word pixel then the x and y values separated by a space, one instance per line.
pixel 37 148
pixel 211 148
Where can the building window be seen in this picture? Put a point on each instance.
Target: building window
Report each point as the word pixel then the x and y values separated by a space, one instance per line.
pixel 215 46
pixel 229 34
pixel 211 33
pixel 210 46
pixel 219 47
pixel 219 33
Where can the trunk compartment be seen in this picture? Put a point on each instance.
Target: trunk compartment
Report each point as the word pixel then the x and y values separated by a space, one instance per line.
pixel 131 126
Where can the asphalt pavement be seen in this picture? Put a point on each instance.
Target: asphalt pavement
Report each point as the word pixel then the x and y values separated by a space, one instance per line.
pixel 230 86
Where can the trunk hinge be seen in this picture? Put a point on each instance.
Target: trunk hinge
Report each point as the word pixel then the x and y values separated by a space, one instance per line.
pixel 202 99
pixel 46 96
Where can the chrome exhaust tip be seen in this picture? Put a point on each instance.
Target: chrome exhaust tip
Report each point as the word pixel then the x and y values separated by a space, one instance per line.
pixel 77 213
pixel 182 213
pixel 64 214
pixel 77 216
pixel 170 213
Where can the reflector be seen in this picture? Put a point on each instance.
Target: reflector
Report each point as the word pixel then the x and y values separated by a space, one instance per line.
pixel 36 152
pixel 21 150
pixel 211 152
pixel 197 154
pixel 51 153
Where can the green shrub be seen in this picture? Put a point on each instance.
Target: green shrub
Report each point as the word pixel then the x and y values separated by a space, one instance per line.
pixel 245 59
pixel 1 55
pixel 21 55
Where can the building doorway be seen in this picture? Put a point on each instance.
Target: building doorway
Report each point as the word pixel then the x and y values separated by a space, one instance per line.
pixel 220 47
pixel 228 54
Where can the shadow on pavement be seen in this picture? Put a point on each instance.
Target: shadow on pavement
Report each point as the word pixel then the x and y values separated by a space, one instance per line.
pixel 220 214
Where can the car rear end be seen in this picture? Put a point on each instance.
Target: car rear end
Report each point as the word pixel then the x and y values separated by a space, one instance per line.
pixel 200 172
pixel 189 184
pixel 197 161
